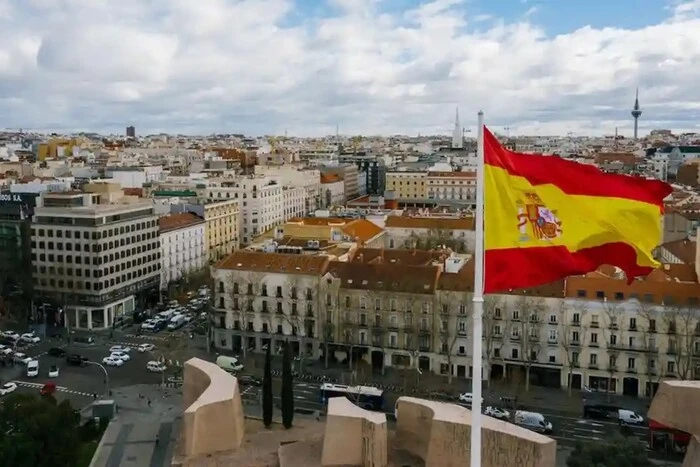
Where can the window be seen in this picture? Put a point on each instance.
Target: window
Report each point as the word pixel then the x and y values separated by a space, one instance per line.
pixel 671 367
pixel 463 309
pixel 516 315
pixel 363 304
pixel 612 361
pixel 497 330
pixel 392 304
pixel 574 358
pixel 377 303
pixel 613 339
pixel 576 318
pixel 347 301
pixel 594 338
pixel 630 363
pixel 593 359
pixel 552 319
pixel 514 354
pixel 633 324
pixel 574 337
pixel 552 335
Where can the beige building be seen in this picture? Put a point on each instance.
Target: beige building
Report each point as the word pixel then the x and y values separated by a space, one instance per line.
pixel 433 187
pixel 407 185
pixel 95 252
pixel 425 232
pixel 222 225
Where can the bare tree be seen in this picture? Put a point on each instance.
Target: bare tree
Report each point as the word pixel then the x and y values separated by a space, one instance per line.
pixel 300 315
pixel 653 361
pixel 172 352
pixel 492 317
pixel 327 305
pixel 243 287
pixel 680 325
pixel 452 309
pixel 573 335
pixel 613 333
pixel 529 328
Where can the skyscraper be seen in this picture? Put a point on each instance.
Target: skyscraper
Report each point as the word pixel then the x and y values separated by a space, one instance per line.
pixel 457 137
pixel 130 132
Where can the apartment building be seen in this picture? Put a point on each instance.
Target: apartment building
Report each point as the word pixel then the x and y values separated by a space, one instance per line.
pixel 424 232
pixel 349 174
pixel 298 177
pixel 183 246
pixel 222 219
pixel 408 309
pixel 95 252
pixel 263 203
pixel 433 187
pixel 332 191
pixel 263 299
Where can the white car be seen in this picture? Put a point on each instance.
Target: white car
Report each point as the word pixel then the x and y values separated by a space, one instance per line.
pixel 148 325
pixel 120 348
pixel 30 337
pixel 112 361
pixel 121 356
pixel 5 350
pixel 11 335
pixel 53 371
pixel 466 398
pixel 628 417
pixel 146 348
pixel 156 367
pixel 7 388
pixel 19 357
pixel 498 413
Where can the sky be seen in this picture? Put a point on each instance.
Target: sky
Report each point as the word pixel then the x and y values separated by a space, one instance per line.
pixel 536 67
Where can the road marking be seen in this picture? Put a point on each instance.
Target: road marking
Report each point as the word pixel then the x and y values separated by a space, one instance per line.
pixel 30 384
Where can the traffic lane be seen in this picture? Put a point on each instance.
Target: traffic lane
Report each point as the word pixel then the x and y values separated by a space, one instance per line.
pixel 78 400
pixel 305 394
pixel 581 429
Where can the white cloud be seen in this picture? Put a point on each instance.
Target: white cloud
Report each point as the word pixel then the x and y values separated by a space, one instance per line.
pixel 250 66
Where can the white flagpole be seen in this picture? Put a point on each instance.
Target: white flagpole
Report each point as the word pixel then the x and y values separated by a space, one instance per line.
pixel 478 299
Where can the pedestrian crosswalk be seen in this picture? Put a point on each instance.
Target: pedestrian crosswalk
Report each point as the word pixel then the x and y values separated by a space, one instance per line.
pixel 29 384
pixel 146 337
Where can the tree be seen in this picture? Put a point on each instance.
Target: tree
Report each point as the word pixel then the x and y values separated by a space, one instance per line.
pixel 614 337
pixel 452 307
pixel 491 318
pixel 653 366
pixel 529 326
pixel 287 394
pixel 620 452
pixel 172 351
pixel 573 335
pixel 298 322
pixel 327 305
pixel 680 325
pixel 267 389
pixel 243 287
pixel 36 431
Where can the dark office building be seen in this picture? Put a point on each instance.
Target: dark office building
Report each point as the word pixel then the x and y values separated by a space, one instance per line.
pixel 16 211
pixel 375 168
pixel 130 132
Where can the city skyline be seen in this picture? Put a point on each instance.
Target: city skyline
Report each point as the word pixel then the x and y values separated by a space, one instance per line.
pixel 369 66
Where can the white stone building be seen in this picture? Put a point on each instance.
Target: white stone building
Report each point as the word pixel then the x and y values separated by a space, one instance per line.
pixel 182 246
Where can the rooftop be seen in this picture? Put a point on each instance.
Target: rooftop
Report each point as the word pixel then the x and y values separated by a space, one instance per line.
pixel 280 263
pixel 404 222
pixel 178 221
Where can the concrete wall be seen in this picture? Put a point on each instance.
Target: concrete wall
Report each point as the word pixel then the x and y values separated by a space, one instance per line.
pixel 354 436
pixel 671 406
pixel 439 433
pixel 213 415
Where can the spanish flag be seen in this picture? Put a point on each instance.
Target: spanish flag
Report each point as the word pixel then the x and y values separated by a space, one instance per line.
pixel 546 218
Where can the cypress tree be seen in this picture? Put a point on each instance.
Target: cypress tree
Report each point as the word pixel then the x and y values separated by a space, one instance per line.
pixel 287 395
pixel 267 390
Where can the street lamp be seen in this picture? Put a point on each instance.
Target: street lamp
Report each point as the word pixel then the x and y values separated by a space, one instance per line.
pixel 105 372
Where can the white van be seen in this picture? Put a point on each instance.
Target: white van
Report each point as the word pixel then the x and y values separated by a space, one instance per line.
pixel 629 417
pixel 228 363
pixel 532 421
pixel 33 369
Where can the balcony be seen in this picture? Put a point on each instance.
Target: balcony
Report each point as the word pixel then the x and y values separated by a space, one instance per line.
pixel 515 338
pixel 576 324
pixel 594 325
pixel 592 366
pixel 631 370
pixel 424 348
pixel 575 344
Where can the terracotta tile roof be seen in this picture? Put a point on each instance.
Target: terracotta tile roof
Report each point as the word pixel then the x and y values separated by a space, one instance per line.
pixel 684 250
pixel 279 263
pixel 403 222
pixel 605 157
pixel 452 174
pixel 387 277
pixel 178 221
pixel 362 230
pixel 398 257
pixel 318 220
pixel 301 242
pixel 134 192
pixel 329 178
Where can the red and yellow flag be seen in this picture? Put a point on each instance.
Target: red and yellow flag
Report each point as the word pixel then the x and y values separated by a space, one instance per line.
pixel 547 218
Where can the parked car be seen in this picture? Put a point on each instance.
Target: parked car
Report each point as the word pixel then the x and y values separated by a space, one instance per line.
pixel 33 368
pixel 20 357
pixel 53 371
pixel 496 412
pixel 248 380
pixel 11 335
pixel 146 348
pixel 466 398
pixel 5 350
pixel 56 352
pixel 76 360
pixel 7 388
pixel 120 348
pixel 123 356
pixel 30 338
pixel 156 367
pixel 112 361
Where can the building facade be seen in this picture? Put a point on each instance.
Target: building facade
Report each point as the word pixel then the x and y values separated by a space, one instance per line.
pixel 183 246
pixel 222 224
pixel 96 253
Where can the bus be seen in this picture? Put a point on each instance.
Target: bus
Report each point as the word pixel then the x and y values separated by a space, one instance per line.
pixel 367 397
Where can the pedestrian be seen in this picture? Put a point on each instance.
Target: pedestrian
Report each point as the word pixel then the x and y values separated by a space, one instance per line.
pixel 94 395
pixel 149 401
pixel 157 440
